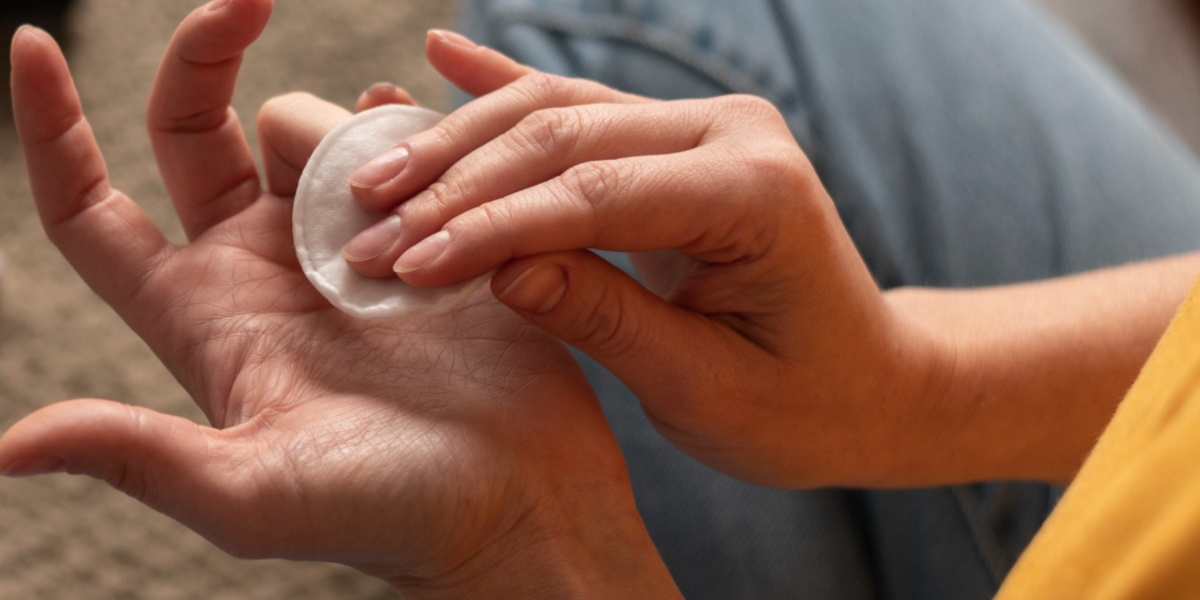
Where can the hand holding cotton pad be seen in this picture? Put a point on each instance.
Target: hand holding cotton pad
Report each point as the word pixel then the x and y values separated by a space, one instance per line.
pixel 326 217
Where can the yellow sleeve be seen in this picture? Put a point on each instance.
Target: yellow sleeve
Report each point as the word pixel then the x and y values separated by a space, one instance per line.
pixel 1129 525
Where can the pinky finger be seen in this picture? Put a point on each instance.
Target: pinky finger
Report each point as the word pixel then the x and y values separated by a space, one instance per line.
pixel 382 94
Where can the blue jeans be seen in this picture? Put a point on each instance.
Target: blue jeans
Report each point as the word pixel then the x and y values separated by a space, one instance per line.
pixel 966 143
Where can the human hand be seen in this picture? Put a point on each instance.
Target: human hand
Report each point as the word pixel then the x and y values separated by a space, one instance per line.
pixel 454 456
pixel 759 342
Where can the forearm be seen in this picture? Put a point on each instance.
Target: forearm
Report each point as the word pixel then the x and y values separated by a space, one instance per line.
pixel 1029 375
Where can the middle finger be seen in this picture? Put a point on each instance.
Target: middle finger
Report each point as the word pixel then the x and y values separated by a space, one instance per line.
pixel 201 149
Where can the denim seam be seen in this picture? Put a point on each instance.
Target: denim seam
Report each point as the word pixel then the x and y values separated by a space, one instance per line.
pixel 660 40
pixel 795 53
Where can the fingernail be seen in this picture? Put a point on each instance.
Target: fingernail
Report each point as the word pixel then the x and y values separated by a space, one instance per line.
pixel 382 169
pixel 378 89
pixel 451 37
pixel 373 241
pixel 538 290
pixel 216 5
pixel 382 87
pixel 30 467
pixel 25 29
pixel 423 253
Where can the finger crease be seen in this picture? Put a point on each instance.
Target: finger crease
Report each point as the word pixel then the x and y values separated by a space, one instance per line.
pixel 202 121
pixel 95 194
pixel 69 125
pixel 243 189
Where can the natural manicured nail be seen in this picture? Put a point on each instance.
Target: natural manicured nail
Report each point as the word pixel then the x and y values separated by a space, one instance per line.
pixel 27 29
pixel 386 93
pixel 382 87
pixel 373 241
pixel 538 290
pixel 30 467
pixel 451 37
pixel 423 253
pixel 381 169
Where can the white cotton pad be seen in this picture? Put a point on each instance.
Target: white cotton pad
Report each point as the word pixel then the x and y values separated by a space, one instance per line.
pixel 326 216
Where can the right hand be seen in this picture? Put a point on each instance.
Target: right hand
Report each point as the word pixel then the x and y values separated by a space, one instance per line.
pixel 759 342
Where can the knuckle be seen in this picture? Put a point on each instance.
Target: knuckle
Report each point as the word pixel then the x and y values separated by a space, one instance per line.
pixel 775 170
pixel 551 132
pixel 605 327
pixel 443 134
pixel 495 216
pixel 773 167
pixel 131 482
pixel 543 88
pixel 441 196
pixel 593 182
pixel 750 106
pixel 443 139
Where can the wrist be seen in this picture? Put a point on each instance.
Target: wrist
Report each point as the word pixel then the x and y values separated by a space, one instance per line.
pixel 580 545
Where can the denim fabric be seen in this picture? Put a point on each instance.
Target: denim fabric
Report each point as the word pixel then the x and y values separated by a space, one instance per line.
pixel 965 143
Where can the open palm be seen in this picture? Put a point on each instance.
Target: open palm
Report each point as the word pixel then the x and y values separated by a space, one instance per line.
pixel 413 449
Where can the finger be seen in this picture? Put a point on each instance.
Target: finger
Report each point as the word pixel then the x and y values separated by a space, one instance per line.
pixel 105 236
pixel 649 344
pixel 177 467
pixel 201 149
pixel 382 94
pixel 698 202
pixel 542 146
pixel 417 162
pixel 475 69
pixel 289 128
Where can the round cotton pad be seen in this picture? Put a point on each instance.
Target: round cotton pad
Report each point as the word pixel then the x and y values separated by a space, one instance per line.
pixel 326 216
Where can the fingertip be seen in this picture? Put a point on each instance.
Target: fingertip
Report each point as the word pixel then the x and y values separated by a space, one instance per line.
pixel 435 37
pixel 33 466
pixel 27 34
pixel 475 69
pixel 383 94
pixel 26 40
pixel 228 25
pixel 41 442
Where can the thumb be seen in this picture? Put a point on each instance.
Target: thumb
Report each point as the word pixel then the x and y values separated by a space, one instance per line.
pixel 656 348
pixel 169 463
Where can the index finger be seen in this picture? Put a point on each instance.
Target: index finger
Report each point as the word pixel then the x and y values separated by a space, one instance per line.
pixel 201 149
pixel 422 159
pixel 105 236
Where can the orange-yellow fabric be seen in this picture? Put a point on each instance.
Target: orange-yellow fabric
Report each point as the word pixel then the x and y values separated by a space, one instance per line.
pixel 1129 525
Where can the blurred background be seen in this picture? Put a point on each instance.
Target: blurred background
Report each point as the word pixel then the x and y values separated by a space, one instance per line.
pixel 64 537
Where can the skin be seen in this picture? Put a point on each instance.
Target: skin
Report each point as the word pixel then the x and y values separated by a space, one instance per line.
pixel 757 341
pixel 456 456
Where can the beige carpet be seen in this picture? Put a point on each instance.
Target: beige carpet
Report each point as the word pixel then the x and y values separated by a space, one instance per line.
pixel 64 537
